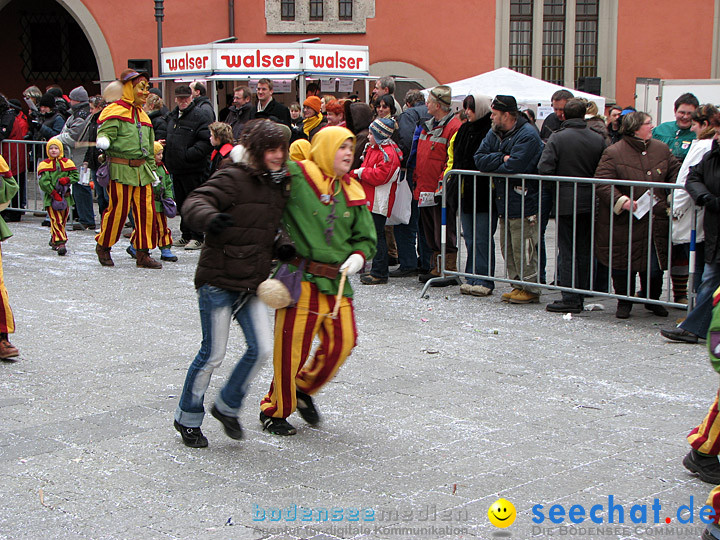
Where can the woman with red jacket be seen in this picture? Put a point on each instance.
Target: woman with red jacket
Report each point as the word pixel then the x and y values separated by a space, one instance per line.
pixel 378 175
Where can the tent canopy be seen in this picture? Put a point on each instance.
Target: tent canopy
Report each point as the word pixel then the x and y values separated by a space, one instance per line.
pixel 528 91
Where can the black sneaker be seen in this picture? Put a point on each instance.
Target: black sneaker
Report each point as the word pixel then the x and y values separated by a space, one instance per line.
pixel 277 426
pixel 306 408
pixel 560 306
pixel 232 427
pixel 657 309
pixel 191 436
pixel 404 272
pixel 706 467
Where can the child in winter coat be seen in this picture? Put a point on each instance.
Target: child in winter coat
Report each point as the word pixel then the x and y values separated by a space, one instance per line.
pixel 57 173
pixel 378 176
pixel 162 189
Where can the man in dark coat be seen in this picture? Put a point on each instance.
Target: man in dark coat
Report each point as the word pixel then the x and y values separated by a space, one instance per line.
pixel 202 102
pixel 573 150
pixel 241 111
pixel 187 154
pixel 267 107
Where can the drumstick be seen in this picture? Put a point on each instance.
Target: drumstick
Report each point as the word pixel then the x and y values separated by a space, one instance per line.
pixel 339 296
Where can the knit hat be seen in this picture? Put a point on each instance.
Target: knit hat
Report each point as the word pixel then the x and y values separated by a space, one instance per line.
pixel 158 147
pixel 155 90
pixel 314 103
pixel 260 135
pixel 79 94
pixel 183 91
pixel 47 101
pixel 504 104
pixel 443 94
pixel 382 129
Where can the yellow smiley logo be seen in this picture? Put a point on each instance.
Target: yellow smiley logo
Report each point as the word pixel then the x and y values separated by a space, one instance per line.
pixel 502 513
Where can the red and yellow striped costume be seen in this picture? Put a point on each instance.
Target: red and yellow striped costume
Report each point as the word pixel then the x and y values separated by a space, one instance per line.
pixel 121 198
pixel 9 188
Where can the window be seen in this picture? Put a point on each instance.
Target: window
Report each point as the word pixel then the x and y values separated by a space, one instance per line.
pixel 521 22
pixel 316 10
pixel 586 39
pixel 345 9
pixel 287 10
pixel 553 47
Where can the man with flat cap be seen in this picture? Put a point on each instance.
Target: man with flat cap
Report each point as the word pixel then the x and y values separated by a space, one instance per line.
pixel 187 155
pixel 431 157
pixel 513 146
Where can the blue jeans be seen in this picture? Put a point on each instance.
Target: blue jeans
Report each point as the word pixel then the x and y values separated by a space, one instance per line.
pixel 698 320
pixel 102 196
pixel 406 237
pixel 481 252
pixel 380 261
pixel 217 309
pixel 83 196
pixel 548 201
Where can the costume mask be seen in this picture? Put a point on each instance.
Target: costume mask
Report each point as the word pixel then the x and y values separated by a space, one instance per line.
pixel 141 91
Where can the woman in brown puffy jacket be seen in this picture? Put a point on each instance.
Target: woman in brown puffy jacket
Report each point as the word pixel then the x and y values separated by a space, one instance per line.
pixel 635 157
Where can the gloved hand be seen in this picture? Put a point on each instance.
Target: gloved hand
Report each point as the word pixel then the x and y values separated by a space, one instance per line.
pixel 102 143
pixel 55 195
pixel 64 180
pixel 286 252
pixel 709 201
pixel 354 263
pixel 219 223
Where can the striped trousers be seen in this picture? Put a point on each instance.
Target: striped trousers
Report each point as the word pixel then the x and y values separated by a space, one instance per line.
pixel 7 321
pixel 58 220
pixel 121 198
pixel 705 438
pixel 295 329
pixel 163 236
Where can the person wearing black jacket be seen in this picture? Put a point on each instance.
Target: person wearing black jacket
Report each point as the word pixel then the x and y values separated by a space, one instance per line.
pixel 153 107
pixel 267 107
pixel 241 111
pixel 187 155
pixel 477 203
pixel 573 150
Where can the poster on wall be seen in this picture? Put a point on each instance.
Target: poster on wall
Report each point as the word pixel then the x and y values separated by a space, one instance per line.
pixel 346 85
pixel 327 85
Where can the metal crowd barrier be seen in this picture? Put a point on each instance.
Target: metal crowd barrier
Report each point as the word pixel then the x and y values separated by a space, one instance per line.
pixel 23 157
pixel 655 188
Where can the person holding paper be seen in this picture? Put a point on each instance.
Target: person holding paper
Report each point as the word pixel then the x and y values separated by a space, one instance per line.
pixel 637 156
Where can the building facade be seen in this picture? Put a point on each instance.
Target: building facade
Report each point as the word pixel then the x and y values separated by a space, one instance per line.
pixel 75 42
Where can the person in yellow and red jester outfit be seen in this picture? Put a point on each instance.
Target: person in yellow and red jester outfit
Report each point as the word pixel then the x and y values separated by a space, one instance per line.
pixel 328 220
pixel 8 189
pixel 57 173
pixel 126 134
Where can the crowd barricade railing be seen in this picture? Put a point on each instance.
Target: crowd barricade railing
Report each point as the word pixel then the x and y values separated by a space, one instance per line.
pixel 23 158
pixel 551 184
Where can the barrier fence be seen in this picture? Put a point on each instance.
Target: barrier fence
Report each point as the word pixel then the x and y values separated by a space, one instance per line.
pixel 23 157
pixel 548 189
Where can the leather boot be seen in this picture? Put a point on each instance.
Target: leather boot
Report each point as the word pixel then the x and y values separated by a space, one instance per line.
pixel 103 255
pixel 144 260
pixel 450 264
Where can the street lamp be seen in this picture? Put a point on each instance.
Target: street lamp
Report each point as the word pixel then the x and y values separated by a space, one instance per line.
pixel 159 15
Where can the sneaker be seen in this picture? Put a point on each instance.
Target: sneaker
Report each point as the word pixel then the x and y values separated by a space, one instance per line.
pixel 191 436
pixel 182 242
pixel 506 296
pixel 707 468
pixel 45 223
pixel 679 334
pixel 480 290
pixel 404 272
pixel 77 226
pixel 623 309
pixel 657 309
pixel 131 251
pixel 446 282
pixel 8 350
pixel 232 427
pixel 524 297
pixel 369 279
pixel 277 426
pixel 167 255
pixel 560 306
pixel 465 288
pixel 61 250
pixel 193 245
pixel 306 408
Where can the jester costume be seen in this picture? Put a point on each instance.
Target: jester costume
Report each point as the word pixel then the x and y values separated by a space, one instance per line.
pixel 55 177
pixel 8 189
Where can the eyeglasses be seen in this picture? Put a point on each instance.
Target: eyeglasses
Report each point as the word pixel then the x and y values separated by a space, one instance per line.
pixel 648 123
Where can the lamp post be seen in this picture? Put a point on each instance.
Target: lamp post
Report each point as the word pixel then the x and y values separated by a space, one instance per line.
pixel 159 15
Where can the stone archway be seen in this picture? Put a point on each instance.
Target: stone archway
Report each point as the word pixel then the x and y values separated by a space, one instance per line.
pixel 403 69
pixel 101 50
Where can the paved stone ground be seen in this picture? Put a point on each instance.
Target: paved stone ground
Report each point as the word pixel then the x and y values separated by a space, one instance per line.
pixel 447 404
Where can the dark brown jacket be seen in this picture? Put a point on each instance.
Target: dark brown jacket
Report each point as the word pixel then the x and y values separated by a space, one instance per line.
pixel 240 257
pixel 644 161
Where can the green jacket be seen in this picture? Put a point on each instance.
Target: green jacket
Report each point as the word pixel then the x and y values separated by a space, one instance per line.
pixel 51 173
pixel 125 143
pixel 163 189
pixel 305 220
pixel 713 335
pixel 7 191
pixel 679 140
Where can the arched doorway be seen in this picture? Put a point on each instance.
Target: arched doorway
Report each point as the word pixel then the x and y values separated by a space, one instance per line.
pixel 46 42
pixel 404 69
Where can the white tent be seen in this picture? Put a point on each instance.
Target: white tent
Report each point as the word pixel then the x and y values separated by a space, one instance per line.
pixel 528 91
